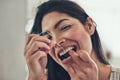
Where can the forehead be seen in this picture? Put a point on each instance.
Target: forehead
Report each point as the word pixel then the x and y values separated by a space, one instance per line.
pixel 53 17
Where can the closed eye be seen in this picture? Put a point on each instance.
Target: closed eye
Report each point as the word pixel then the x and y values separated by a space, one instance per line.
pixel 65 27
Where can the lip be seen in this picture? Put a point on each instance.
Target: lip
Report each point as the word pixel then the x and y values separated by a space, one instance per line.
pixel 61 49
pixel 64 48
pixel 68 61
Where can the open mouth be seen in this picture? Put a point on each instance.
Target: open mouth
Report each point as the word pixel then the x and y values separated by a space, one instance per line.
pixel 65 53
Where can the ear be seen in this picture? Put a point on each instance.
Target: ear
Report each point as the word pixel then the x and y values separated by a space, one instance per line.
pixel 89 26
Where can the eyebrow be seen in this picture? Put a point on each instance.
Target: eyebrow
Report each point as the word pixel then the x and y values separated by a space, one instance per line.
pixel 59 22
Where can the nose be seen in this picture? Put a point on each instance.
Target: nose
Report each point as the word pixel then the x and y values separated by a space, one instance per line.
pixel 59 43
pixel 56 43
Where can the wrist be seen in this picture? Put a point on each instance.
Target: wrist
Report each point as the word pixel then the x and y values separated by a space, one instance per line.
pixel 34 78
pixel 40 77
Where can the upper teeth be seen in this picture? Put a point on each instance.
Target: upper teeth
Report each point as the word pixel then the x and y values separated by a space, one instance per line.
pixel 66 50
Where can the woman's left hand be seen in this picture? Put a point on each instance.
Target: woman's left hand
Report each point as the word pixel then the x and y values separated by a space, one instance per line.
pixel 83 66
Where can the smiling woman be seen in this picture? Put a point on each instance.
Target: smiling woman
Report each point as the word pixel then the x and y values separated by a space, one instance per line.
pixel 64 40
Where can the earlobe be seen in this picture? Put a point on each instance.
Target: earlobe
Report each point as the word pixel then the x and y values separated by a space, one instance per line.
pixel 90 26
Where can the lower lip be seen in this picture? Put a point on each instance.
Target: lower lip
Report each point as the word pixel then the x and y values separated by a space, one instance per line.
pixel 67 60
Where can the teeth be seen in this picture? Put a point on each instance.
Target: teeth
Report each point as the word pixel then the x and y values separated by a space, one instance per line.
pixel 65 51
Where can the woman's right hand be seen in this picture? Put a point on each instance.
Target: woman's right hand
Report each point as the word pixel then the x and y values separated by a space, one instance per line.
pixel 35 52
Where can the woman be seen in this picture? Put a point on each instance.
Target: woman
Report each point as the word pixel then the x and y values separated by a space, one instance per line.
pixel 64 40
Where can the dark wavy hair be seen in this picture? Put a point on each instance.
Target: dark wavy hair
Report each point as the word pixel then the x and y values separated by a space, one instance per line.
pixel 55 71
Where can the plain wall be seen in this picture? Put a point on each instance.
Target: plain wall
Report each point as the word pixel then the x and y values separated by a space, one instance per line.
pixel 12 39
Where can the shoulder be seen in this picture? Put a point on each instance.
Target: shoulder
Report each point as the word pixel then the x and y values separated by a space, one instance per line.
pixel 115 73
pixel 115 69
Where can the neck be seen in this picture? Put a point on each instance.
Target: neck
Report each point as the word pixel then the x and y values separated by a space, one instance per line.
pixel 104 69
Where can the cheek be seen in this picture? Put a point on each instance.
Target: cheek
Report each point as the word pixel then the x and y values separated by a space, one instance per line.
pixel 86 43
pixel 83 39
pixel 76 35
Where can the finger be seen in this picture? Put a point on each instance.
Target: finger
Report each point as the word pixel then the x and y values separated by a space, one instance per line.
pixel 36 44
pixel 75 57
pixel 29 37
pixel 40 45
pixel 76 73
pixel 42 39
pixel 34 64
pixel 78 70
pixel 81 58
pixel 29 41
pixel 34 37
pixel 79 63
pixel 34 59
pixel 35 47
pixel 70 71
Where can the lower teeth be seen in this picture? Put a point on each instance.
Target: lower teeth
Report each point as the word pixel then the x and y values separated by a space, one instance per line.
pixel 65 56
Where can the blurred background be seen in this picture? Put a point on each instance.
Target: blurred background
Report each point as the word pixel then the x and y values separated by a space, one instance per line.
pixel 17 17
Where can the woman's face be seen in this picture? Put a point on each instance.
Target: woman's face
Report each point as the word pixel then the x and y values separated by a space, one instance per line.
pixel 66 33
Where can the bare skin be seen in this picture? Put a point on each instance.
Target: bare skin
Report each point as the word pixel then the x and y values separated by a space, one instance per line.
pixel 81 63
pixel 36 59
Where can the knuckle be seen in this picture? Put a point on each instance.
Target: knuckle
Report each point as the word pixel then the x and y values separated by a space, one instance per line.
pixel 28 35
pixel 30 60
pixel 35 43
pixel 38 52
pixel 33 38
pixel 87 70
